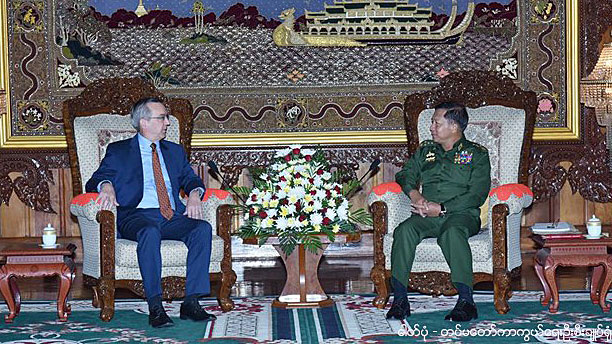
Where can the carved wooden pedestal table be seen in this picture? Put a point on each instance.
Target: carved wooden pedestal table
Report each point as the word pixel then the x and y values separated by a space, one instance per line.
pixel 574 252
pixel 27 260
pixel 302 287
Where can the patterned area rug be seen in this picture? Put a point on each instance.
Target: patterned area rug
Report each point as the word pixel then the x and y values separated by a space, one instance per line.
pixel 352 319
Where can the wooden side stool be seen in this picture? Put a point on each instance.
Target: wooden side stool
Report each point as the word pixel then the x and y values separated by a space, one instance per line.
pixel 24 260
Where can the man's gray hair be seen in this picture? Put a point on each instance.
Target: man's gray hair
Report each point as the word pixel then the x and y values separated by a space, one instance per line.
pixel 141 110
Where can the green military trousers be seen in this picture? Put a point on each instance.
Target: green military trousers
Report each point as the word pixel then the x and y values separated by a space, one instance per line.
pixel 452 232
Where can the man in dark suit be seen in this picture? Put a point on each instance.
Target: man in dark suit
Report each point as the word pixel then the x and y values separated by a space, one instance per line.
pixel 142 177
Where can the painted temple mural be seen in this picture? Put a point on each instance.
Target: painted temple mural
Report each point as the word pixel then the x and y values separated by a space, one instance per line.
pixel 347 63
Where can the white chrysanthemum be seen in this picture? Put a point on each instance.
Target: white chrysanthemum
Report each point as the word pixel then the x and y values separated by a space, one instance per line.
pixel 272 212
pixel 307 151
pixel 299 168
pixel 343 213
pixel 330 213
pixel 283 152
pixel 332 203
pixel 317 205
pixel 292 198
pixel 291 222
pixel 292 147
pixel 284 211
pixel 320 194
pixel 273 203
pixel 282 223
pixel 326 175
pixel 281 194
pixel 291 209
pixel 264 176
pixel 308 198
pixel 298 181
pixel 318 181
pixel 316 219
pixel 298 192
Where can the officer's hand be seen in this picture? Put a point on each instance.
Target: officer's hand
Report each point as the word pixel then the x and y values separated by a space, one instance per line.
pixel 433 209
pixel 193 209
pixel 106 198
pixel 420 207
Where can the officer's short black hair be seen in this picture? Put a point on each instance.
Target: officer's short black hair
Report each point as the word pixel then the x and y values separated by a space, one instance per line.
pixel 455 112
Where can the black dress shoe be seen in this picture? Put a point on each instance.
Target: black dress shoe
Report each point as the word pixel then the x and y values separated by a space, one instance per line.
pixel 463 311
pixel 400 309
pixel 158 318
pixel 195 312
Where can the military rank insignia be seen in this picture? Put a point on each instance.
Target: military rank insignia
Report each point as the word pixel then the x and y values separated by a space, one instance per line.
pixel 463 158
pixel 431 156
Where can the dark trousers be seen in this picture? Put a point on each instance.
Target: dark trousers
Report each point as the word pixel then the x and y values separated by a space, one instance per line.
pixel 148 227
pixel 452 233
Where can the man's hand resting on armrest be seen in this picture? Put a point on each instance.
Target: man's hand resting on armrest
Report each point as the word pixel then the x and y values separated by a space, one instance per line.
pixel 106 198
pixel 194 206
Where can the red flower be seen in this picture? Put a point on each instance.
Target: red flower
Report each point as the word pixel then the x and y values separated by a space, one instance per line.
pixel 284 201
pixel 313 192
pixel 298 206
pixel 283 179
pixel 298 175
pixel 253 198
pixel 296 151
pixel 308 157
pixel 263 214
pixel 326 221
pixel 337 188
pixel 302 218
pixel 252 211
pixel 311 180
pixel 320 172
pixel 288 158
pixel 328 193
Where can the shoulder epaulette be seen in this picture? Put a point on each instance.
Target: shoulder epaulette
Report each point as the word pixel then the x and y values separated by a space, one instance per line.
pixel 481 147
pixel 427 143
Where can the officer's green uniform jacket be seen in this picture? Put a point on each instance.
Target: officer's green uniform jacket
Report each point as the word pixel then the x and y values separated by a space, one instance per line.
pixel 460 179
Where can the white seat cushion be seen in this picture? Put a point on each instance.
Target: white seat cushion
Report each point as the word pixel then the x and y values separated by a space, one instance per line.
pixel 173 252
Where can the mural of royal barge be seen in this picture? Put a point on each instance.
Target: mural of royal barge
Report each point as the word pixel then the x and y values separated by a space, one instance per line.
pixel 386 22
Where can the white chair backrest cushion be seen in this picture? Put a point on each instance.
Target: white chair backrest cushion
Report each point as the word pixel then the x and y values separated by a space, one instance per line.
pixel 93 133
pixel 500 129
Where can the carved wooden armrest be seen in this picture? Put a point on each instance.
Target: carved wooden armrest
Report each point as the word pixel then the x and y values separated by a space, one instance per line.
pixel 396 201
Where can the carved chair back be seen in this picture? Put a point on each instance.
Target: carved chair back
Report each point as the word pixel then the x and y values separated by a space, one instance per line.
pixel 100 116
pixel 502 118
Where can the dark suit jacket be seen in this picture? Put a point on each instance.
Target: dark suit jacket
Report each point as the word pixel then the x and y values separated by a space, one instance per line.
pixel 122 165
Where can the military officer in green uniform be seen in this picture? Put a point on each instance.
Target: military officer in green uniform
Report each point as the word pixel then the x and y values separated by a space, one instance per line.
pixel 454 176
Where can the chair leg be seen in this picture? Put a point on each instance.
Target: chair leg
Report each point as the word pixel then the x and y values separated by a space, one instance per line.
pixel 501 290
pixel 107 293
pixel 95 302
pixel 227 281
pixel 379 278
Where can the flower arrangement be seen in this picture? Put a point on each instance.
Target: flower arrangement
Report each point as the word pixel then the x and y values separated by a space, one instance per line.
pixel 298 199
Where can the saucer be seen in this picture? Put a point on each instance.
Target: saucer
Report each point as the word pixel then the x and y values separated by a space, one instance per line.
pixel 49 246
pixel 592 237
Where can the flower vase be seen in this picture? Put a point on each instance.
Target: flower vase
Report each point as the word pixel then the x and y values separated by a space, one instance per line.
pixel 302 288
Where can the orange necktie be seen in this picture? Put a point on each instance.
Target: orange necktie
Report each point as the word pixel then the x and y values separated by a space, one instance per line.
pixel 162 193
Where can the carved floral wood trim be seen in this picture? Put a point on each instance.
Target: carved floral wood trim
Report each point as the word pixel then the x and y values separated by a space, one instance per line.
pixel 117 95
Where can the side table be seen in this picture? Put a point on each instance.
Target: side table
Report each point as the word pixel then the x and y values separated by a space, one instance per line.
pixel 577 253
pixel 26 260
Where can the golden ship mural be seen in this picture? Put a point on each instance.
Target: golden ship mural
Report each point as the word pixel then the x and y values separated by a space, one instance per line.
pixel 363 22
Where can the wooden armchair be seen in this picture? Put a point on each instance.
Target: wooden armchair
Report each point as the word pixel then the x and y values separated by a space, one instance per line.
pixel 92 120
pixel 502 118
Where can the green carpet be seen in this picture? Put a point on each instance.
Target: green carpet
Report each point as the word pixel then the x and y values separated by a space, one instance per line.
pixel 352 319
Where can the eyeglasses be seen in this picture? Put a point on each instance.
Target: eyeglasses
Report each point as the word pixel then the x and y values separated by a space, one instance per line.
pixel 165 117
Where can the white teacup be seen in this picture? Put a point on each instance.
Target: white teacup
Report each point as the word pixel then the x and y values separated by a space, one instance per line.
pixel 49 239
pixel 594 227
pixel 49 236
